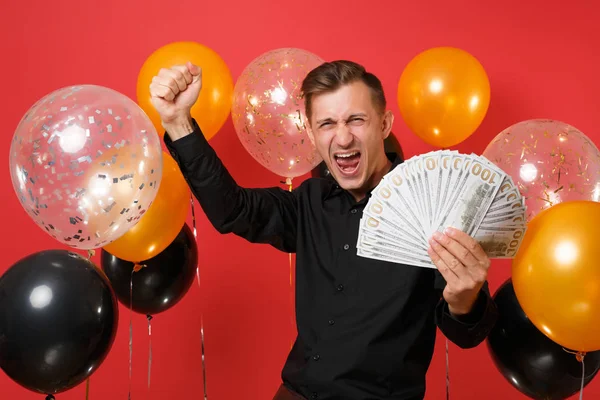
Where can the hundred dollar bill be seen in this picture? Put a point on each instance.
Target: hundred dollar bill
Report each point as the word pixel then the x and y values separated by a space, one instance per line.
pixel 479 187
pixel 394 199
pixel 459 164
pixel 369 239
pixel 446 172
pixel 500 242
pixel 512 200
pixel 393 255
pixel 506 221
pixel 423 181
pixel 505 188
pixel 398 181
pixel 373 229
pixel 521 211
pixel 431 172
pixel 407 171
pixel 385 225
pixel 386 213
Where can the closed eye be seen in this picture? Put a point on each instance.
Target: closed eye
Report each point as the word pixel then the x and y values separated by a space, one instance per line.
pixel 356 121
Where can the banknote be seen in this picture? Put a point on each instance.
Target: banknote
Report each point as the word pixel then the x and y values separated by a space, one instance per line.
pixel 436 190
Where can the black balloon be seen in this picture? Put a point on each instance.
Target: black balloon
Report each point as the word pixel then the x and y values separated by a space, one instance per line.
pixel 391 146
pixel 58 320
pixel 528 359
pixel 162 282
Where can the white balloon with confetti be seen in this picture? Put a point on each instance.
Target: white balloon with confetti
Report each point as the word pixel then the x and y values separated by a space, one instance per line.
pixel 549 161
pixel 85 163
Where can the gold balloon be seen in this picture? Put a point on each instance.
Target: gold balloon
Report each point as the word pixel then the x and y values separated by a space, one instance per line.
pixel 556 274
pixel 443 95
pixel 214 103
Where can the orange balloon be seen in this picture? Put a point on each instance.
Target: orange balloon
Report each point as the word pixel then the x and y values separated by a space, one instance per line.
pixel 163 221
pixel 443 95
pixel 556 274
pixel 214 103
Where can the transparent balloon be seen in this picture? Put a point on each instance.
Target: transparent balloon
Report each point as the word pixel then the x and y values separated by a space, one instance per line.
pixel 268 111
pixel 85 163
pixel 550 162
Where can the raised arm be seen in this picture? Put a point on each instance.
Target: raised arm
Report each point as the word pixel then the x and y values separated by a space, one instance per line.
pixel 259 215
pixel 466 312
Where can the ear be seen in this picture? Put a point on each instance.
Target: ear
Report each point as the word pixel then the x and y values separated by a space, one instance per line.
pixel 387 123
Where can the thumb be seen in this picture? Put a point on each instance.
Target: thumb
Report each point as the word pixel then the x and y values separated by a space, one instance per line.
pixel 195 70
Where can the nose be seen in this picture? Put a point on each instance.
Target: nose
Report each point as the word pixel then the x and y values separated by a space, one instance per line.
pixel 343 136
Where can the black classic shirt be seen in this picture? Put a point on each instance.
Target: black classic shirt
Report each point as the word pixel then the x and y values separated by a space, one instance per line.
pixel 366 328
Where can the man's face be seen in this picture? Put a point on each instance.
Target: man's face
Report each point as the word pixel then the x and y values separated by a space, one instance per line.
pixel 348 132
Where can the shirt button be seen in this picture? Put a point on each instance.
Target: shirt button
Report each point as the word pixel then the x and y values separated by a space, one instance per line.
pixel 314 396
pixel 316 357
pixel 340 287
pixel 346 246
pixel 331 322
pixel 354 211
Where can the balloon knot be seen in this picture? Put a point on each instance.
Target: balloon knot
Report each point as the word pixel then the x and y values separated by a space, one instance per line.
pixel 149 317
pixel 137 267
pixel 91 253
pixel 580 356
pixel 50 397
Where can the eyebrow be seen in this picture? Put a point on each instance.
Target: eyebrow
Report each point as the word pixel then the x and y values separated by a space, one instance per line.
pixel 362 115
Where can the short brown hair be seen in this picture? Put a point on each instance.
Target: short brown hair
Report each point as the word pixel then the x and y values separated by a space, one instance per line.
pixel 330 76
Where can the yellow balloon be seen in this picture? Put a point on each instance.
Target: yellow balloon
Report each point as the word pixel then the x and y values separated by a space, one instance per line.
pixel 443 95
pixel 556 274
pixel 214 103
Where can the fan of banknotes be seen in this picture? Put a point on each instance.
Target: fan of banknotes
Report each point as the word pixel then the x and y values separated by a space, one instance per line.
pixel 436 190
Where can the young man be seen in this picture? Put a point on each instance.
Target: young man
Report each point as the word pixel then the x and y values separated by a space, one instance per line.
pixel 366 328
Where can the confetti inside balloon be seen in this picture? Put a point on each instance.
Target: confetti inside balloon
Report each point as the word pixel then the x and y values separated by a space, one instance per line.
pixel 85 163
pixel 268 111
pixel 550 162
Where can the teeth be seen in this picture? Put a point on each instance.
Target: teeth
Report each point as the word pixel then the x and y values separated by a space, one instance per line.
pixel 346 155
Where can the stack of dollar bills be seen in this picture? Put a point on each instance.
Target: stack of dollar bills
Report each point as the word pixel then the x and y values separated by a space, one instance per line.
pixel 433 191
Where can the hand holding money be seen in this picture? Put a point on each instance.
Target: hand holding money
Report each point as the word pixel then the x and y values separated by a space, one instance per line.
pixel 464 265
pixel 438 190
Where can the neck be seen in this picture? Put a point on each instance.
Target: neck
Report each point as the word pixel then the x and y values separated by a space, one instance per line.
pixel 373 181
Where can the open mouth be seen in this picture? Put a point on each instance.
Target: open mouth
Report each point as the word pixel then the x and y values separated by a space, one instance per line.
pixel 347 162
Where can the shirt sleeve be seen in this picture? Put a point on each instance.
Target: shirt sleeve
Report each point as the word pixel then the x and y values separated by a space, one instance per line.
pixel 466 331
pixel 261 215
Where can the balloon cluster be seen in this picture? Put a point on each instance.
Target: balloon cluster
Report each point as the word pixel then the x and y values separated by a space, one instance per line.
pixel 552 302
pixel 87 166
pixel 550 308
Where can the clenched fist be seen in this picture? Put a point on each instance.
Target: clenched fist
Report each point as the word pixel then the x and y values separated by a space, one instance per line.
pixel 173 92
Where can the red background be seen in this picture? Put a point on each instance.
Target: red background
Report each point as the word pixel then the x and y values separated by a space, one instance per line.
pixel 542 59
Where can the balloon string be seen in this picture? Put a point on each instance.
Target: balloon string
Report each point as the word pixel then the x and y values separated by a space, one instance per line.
pixel 87 389
pixel 582 379
pixel 580 355
pixel 288 182
pixel 130 331
pixel 447 372
pixel 201 313
pixel 149 317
